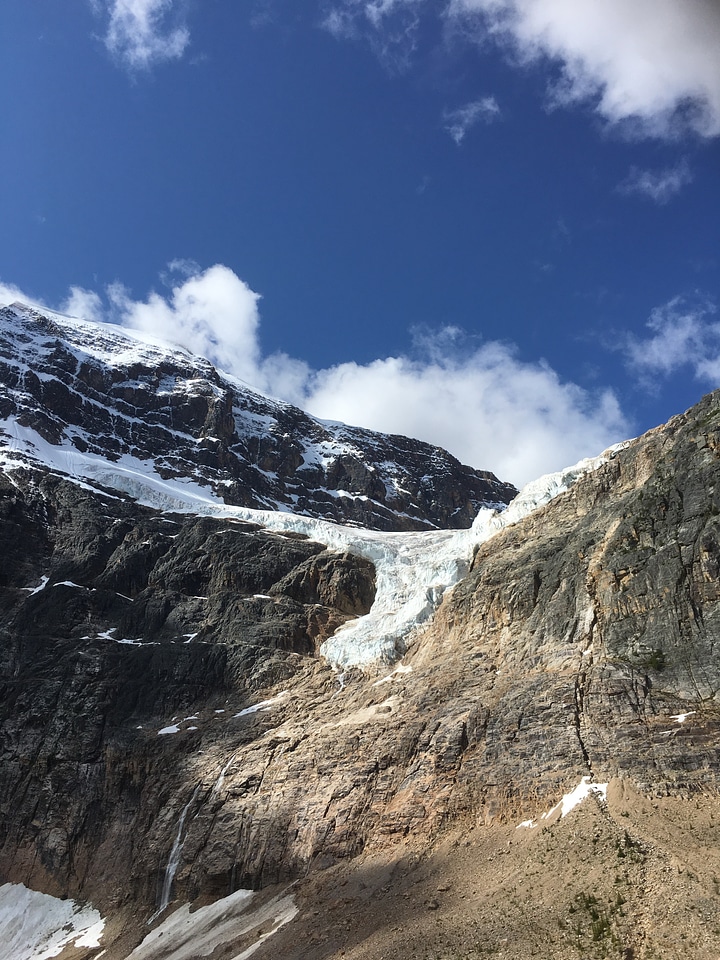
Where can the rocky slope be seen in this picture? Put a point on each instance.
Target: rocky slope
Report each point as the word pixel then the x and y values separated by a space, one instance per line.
pixel 95 393
pixel 168 664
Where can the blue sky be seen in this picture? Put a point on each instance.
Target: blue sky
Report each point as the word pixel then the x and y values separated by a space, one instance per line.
pixel 492 224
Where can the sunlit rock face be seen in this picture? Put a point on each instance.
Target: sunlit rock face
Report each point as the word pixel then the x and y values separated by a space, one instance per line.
pixel 589 630
pixel 95 393
pixel 172 731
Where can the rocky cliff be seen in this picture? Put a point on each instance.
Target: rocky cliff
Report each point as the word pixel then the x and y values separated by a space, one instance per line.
pixel 170 733
pixel 98 401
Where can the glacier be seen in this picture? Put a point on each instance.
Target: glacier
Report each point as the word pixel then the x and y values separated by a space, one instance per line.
pixel 413 569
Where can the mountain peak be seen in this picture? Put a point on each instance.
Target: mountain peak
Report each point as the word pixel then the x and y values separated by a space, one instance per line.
pixel 78 396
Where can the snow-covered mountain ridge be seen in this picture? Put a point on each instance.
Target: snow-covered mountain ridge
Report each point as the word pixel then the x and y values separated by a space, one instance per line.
pixel 60 420
pixel 98 394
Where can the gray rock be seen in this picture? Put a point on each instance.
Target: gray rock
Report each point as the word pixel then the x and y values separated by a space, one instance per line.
pixel 189 420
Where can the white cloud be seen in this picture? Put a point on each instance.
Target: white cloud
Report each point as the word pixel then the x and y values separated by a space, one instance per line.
pixel 141 33
pixel 213 313
pixel 659 185
pixel 683 334
pixel 652 63
pixel 459 121
pixel 9 293
pixel 83 304
pixel 489 409
pixel 649 64
pixel 485 405
pixel 481 402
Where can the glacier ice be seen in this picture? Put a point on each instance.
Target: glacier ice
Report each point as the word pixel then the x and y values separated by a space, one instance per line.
pixel 413 569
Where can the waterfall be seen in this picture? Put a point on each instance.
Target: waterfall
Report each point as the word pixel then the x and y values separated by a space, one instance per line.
pixel 174 858
pixel 220 780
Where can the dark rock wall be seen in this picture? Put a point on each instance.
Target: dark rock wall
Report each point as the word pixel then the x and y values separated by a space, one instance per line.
pixel 143 618
pixel 190 421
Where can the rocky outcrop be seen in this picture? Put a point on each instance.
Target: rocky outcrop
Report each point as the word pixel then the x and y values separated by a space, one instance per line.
pixel 591 628
pixel 114 615
pixel 168 730
pixel 96 394
pixel 580 644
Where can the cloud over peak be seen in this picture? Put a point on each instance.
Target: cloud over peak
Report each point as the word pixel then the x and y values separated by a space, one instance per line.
pixel 478 399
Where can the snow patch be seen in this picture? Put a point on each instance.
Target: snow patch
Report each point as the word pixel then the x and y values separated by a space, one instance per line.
pixel 187 935
pixel 41 586
pixel 682 717
pixel 36 926
pixel 263 705
pixel 571 800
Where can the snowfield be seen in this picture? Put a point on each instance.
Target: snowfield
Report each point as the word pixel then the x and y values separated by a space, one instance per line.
pixel 35 926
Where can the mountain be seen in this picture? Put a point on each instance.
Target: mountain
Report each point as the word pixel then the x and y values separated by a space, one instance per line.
pixel 229 732
pixel 97 394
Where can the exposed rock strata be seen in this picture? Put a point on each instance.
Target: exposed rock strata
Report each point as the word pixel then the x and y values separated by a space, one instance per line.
pixel 114 614
pixel 99 392
pixel 576 645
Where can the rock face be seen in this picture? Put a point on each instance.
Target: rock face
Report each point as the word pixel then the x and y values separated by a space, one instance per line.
pixel 97 394
pixel 113 614
pixel 167 725
pixel 590 628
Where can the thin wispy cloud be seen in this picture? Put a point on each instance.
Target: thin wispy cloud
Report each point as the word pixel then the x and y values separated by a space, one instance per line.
pixel 459 121
pixel 340 23
pixel 9 293
pixel 683 334
pixel 479 400
pixel 142 33
pixel 83 303
pixel 657 185
pixel 389 26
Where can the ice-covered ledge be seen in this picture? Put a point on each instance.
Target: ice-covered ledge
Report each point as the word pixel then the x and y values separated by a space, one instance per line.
pixel 413 569
pixel 34 926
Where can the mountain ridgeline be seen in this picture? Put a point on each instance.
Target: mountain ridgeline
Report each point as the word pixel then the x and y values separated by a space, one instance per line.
pixel 172 734
pixel 98 393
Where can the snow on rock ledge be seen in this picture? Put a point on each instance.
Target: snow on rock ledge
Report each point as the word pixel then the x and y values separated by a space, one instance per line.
pixel 413 569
